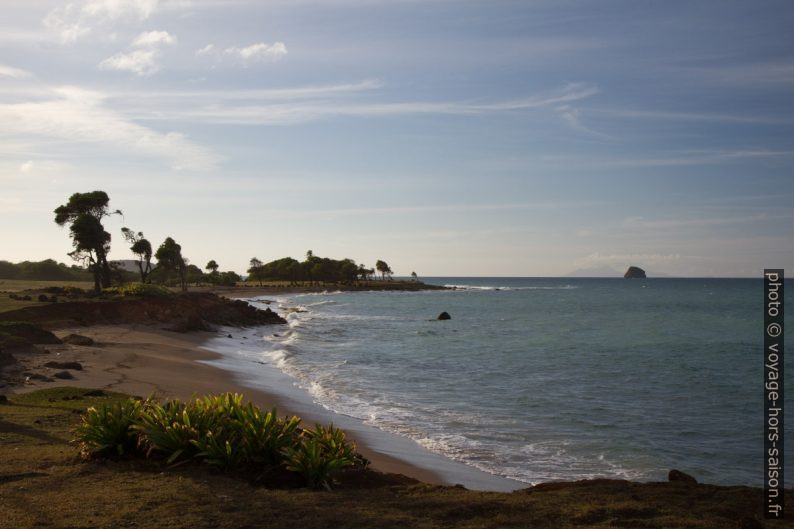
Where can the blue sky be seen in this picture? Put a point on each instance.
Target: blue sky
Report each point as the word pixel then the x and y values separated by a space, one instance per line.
pixel 446 137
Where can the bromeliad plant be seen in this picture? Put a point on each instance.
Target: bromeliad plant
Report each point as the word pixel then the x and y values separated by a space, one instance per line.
pixel 219 430
pixel 107 428
pixel 320 452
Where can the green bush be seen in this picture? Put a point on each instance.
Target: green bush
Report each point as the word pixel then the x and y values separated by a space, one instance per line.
pixel 170 429
pixel 319 453
pixel 107 428
pixel 218 430
pixel 139 289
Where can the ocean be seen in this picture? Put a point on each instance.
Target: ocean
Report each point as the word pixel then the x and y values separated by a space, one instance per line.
pixel 533 379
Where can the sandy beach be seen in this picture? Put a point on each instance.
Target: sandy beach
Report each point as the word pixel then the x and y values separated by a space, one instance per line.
pixel 145 360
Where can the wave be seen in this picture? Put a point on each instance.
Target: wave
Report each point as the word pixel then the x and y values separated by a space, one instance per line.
pixel 509 288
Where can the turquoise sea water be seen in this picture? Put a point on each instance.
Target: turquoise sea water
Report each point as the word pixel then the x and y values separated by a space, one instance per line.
pixel 544 379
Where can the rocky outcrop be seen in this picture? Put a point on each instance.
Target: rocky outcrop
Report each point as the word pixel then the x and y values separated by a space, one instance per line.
pixel 681 477
pixel 183 310
pixel 444 316
pixel 634 272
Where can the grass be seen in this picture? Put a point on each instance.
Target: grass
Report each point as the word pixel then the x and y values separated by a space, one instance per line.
pixel 8 286
pixel 44 483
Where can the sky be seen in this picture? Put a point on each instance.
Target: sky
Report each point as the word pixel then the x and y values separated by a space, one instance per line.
pixel 450 138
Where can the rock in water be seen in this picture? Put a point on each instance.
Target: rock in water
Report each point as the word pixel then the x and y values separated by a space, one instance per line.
pixel 63 375
pixel 444 316
pixel 682 477
pixel 634 272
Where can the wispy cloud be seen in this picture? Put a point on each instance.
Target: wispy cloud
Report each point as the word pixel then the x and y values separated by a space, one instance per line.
pixel 73 114
pixel 145 59
pixel 701 158
pixel 16 73
pixel 443 208
pixel 74 21
pixel 258 52
pixel 686 116
pixel 308 109
pixel 640 222
pixel 154 38
pixel 139 62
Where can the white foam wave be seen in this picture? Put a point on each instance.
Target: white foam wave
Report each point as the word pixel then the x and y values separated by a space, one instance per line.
pixel 491 288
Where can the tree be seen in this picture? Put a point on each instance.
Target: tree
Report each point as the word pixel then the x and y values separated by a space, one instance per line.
pixel 255 270
pixel 383 268
pixel 414 276
pixel 142 248
pixel 84 212
pixel 169 257
pixel 212 266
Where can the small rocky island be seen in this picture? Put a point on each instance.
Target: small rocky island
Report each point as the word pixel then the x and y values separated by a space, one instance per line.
pixel 634 272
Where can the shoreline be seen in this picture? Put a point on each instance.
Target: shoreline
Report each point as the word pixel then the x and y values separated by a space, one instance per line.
pixel 142 360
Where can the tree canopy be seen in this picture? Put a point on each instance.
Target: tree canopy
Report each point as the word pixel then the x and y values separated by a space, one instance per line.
pixel 84 212
pixel 384 269
pixel 169 259
pixel 142 248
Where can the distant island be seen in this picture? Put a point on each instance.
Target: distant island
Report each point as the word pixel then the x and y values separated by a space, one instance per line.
pixel 635 272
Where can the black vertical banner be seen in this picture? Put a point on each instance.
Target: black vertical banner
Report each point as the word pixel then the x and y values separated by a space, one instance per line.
pixel 773 393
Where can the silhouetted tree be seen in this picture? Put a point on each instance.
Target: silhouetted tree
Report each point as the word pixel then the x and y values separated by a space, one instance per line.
pixel 414 276
pixel 212 266
pixel 169 257
pixel 383 268
pixel 142 248
pixel 255 270
pixel 85 211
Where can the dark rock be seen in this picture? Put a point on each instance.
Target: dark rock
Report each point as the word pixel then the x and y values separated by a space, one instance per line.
pixel 77 339
pixel 65 365
pixel 53 299
pixel 63 375
pixel 95 393
pixel 634 272
pixel 26 298
pixel 681 477
pixel 3 399
pixel 44 297
pixel 444 316
pixel 229 336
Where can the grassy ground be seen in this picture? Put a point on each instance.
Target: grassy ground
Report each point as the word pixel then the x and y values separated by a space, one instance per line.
pixel 8 286
pixel 43 483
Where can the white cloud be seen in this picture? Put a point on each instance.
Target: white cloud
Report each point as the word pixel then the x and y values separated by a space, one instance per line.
pixel 139 62
pixel 16 73
pixel 206 50
pixel 72 114
pixel 114 9
pixel 71 22
pixel 258 52
pixel 154 38
pixel 67 23
pixel 26 167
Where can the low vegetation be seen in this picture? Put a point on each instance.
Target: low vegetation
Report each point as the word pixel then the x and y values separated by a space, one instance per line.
pixel 43 484
pixel 218 430
pixel 139 289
